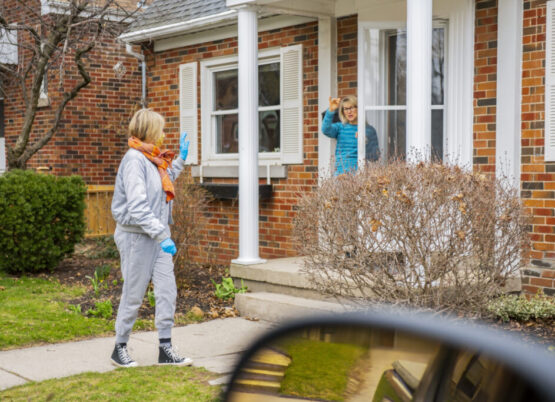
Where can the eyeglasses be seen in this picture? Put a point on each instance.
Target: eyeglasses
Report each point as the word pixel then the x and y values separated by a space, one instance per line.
pixel 348 109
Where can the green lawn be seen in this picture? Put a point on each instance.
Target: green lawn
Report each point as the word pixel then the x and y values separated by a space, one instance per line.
pixel 132 384
pixel 319 369
pixel 36 311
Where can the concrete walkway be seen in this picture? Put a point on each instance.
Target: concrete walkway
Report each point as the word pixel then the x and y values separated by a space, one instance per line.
pixel 215 345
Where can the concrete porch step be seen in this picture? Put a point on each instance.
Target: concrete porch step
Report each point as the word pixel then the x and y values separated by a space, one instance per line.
pixel 281 275
pixel 277 307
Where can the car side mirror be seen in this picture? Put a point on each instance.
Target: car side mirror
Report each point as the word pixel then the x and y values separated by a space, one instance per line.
pixel 392 357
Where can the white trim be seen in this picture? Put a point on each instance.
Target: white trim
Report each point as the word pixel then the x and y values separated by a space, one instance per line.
pixel 9 48
pixel 459 86
pixel 2 155
pixel 229 31
pixel 459 82
pixel 419 67
pixel 207 68
pixel 327 86
pixel 509 75
pixel 188 111
pixel 248 138
pixel 291 98
pixel 232 171
pixel 178 27
pixel 549 131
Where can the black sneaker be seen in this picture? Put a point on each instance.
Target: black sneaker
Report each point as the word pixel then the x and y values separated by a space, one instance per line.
pixel 121 358
pixel 168 355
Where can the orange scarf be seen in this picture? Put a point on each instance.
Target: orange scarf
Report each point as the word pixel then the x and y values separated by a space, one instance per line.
pixel 162 159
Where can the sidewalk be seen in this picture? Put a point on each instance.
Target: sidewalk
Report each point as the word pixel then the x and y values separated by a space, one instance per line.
pixel 215 345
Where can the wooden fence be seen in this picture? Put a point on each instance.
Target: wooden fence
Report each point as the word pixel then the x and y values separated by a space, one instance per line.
pixel 98 214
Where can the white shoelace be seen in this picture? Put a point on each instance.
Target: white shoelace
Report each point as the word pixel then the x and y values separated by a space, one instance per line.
pixel 172 352
pixel 124 355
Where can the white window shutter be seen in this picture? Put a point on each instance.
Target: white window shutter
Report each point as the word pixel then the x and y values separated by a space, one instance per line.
pixel 550 84
pixel 291 91
pixel 188 119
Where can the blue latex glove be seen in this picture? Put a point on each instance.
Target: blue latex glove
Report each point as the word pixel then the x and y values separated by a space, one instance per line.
pixel 168 246
pixel 183 146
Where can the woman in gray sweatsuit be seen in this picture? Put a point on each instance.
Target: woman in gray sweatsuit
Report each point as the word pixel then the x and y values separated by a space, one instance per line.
pixel 141 206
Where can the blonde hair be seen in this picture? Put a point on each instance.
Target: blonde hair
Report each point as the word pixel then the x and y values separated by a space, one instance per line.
pixel 347 99
pixel 147 126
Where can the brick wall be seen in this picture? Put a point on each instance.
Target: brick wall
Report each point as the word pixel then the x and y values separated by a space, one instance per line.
pixel 347 55
pixel 538 177
pixel 485 85
pixel 221 238
pixel 91 138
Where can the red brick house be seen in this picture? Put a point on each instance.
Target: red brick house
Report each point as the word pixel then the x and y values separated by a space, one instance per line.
pixel 92 135
pixel 490 61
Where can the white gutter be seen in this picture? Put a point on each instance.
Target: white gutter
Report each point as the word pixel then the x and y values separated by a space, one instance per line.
pixel 177 28
pixel 141 58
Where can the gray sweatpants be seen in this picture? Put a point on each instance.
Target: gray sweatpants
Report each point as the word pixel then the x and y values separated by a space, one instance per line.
pixel 142 259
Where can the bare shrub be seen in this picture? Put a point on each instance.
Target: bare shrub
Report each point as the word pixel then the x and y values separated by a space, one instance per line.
pixel 189 215
pixel 427 235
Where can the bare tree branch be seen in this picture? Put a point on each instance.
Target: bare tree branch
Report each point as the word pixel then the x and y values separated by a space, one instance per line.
pixel 44 42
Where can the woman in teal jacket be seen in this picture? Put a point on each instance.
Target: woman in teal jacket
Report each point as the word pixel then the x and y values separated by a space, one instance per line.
pixel 346 150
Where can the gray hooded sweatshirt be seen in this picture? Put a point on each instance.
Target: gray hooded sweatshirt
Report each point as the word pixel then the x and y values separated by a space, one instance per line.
pixel 139 203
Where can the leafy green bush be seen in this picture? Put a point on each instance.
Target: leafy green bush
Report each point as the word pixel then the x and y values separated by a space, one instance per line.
pixel 227 290
pixel 101 309
pixel 41 220
pixel 521 308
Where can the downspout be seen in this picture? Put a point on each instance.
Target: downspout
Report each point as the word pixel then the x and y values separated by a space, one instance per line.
pixel 141 58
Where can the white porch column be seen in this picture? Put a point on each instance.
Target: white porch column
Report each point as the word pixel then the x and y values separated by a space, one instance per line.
pixel 509 56
pixel 248 136
pixel 327 86
pixel 419 78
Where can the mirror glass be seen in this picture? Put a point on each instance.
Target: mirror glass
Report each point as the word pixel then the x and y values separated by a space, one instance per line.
pixel 344 363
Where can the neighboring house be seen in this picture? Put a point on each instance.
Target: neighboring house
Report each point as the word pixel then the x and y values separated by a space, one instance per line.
pixel 486 110
pixel 92 136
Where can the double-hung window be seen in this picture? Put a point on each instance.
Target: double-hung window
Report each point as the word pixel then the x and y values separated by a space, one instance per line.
pixel 224 120
pixel 280 106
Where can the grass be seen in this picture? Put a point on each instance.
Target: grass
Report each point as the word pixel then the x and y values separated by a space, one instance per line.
pixel 132 384
pixel 319 369
pixel 36 311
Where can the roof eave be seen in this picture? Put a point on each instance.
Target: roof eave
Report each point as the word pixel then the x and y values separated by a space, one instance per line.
pixel 178 28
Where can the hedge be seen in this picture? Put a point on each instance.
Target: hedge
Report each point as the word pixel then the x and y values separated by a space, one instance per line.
pixel 41 220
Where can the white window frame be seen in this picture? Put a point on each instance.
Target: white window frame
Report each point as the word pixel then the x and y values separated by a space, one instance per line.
pixel 208 121
pixel 9 50
pixel 380 105
pixel 458 86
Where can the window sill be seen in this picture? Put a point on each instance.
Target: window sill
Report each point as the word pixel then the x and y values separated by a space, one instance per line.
pixel 232 171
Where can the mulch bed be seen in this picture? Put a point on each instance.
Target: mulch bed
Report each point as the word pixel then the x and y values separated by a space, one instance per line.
pixel 195 288
pixel 541 332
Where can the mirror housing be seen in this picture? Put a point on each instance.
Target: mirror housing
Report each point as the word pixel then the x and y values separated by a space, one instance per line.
pixel 392 356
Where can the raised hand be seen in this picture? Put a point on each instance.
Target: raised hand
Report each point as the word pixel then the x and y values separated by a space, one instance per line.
pixel 334 104
pixel 183 146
